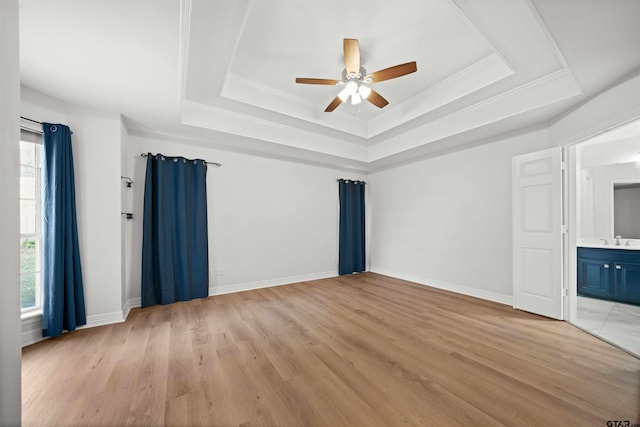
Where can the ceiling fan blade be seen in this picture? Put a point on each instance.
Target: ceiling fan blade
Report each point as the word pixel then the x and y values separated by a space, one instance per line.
pixel 334 104
pixel 376 99
pixel 393 72
pixel 352 56
pixel 317 81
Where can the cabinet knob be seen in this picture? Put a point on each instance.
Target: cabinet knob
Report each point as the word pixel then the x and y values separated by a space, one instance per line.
pixel 618 267
pixel 606 266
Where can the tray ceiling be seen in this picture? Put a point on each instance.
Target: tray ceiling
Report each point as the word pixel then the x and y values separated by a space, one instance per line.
pixel 225 71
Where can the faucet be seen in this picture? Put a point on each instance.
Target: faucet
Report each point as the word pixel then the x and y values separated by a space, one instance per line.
pixel 618 240
pixel 628 242
pixel 605 241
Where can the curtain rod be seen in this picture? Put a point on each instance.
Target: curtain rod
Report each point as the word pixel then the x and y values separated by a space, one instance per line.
pixel 347 180
pixel 30 120
pixel 38 131
pixel 31 128
pixel 216 164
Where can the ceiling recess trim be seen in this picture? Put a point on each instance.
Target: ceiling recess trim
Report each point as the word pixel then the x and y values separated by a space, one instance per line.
pixel 231 104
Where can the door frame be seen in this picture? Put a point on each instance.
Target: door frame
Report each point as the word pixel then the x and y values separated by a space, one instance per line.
pixel 572 201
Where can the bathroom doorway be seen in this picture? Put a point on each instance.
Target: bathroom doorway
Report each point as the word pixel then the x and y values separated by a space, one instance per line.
pixel 603 247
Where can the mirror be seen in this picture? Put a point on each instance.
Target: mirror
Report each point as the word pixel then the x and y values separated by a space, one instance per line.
pixel 609 186
pixel 626 209
pixel 599 186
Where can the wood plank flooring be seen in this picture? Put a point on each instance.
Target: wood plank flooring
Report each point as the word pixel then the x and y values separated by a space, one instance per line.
pixel 364 350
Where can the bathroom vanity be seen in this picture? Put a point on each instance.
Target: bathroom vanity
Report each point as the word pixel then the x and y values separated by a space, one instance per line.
pixel 611 273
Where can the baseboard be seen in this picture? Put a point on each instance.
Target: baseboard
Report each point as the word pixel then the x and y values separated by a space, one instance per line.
pixel 131 303
pixel 103 319
pixel 32 327
pixel 248 286
pixel 459 289
pixel 32 330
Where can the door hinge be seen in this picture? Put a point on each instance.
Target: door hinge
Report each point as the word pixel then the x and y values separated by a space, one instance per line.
pixel 565 292
pixel 563 165
pixel 565 229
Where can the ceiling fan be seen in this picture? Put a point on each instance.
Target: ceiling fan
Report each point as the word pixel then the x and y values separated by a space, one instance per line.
pixel 355 79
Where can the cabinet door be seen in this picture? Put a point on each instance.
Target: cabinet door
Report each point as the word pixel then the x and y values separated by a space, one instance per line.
pixel 627 284
pixel 594 277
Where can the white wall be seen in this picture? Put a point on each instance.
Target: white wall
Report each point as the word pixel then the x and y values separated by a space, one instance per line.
pixel 587 208
pixel 612 151
pixel 270 221
pixel 9 215
pixel 97 160
pixel 97 163
pixel 446 221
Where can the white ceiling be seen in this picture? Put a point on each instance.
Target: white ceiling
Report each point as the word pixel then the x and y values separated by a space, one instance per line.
pixel 222 73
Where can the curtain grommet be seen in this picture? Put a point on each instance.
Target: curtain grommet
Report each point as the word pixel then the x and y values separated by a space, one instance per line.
pixel 54 128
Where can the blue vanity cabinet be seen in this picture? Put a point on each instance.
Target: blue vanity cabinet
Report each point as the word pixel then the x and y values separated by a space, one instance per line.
pixel 612 274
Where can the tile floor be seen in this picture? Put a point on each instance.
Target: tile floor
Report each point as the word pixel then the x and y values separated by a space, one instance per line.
pixel 615 322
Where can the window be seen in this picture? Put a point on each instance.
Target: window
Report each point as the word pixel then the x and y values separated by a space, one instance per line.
pixel 30 221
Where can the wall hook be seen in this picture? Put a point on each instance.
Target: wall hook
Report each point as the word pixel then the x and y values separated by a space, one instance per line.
pixel 128 181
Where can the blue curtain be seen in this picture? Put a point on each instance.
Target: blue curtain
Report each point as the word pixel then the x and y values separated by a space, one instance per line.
pixel 175 251
pixel 63 296
pixel 351 254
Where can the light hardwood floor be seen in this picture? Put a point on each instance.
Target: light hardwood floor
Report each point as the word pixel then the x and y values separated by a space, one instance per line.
pixel 364 350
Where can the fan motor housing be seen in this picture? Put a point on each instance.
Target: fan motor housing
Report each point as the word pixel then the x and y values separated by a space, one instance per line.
pixel 348 77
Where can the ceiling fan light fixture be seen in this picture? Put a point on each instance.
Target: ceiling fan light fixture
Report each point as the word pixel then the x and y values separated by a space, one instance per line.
pixel 356 99
pixel 344 95
pixel 351 88
pixel 364 91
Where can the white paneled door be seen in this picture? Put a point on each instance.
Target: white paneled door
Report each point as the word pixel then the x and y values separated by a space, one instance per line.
pixel 537 232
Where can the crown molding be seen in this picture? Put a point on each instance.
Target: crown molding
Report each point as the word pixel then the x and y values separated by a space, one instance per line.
pixel 545 90
pixel 476 76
